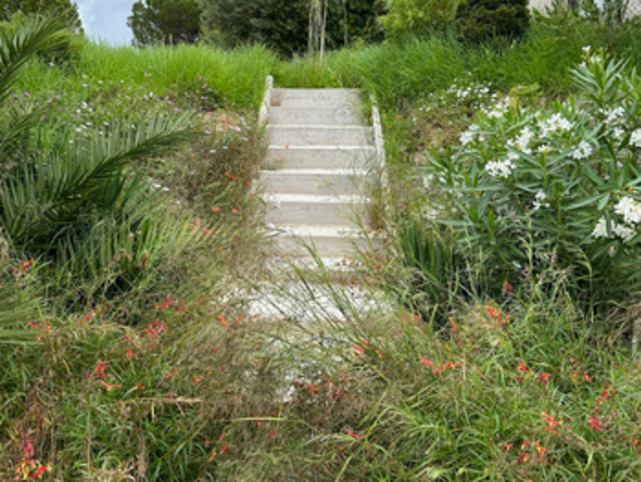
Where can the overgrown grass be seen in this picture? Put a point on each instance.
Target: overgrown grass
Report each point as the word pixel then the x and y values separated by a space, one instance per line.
pixel 171 379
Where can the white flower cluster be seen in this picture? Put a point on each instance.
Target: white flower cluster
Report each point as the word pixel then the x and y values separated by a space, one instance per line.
pixel 538 203
pixel 556 123
pixel 614 115
pixel 469 135
pixel 620 230
pixel 471 91
pixel 635 138
pixel 498 109
pixel 587 54
pixel 522 143
pixel 500 168
pixel 583 150
pixel 630 210
pixel 463 91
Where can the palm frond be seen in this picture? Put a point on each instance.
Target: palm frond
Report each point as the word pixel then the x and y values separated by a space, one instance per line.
pixel 18 45
pixel 46 198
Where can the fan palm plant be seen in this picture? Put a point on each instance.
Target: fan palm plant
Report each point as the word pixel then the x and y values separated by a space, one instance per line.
pixel 71 202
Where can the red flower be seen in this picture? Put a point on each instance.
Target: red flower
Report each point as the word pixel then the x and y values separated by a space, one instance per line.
pixel 454 325
pixel 107 386
pixel 28 449
pixel 544 377
pixel 429 363
pixel 595 424
pixel 603 395
pixel 522 368
pixel 39 472
pixel 102 366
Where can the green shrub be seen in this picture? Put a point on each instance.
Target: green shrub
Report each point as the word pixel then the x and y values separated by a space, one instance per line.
pixel 483 20
pixel 406 18
pixel 535 187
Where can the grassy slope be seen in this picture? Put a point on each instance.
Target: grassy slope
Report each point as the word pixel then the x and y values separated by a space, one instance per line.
pixel 385 413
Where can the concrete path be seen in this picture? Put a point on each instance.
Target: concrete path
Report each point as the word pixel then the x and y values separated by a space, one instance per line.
pixel 317 172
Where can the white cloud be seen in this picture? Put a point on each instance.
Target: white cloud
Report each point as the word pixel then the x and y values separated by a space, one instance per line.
pixel 106 20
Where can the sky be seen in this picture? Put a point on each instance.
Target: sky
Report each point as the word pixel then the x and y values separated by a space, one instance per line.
pixel 106 20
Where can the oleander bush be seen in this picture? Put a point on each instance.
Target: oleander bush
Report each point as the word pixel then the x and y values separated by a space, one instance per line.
pixel 532 186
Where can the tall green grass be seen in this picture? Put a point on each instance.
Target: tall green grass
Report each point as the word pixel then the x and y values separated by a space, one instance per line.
pixel 237 76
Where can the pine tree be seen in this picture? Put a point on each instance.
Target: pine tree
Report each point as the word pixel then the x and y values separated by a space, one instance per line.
pixel 167 22
pixel 65 10
pixel 483 20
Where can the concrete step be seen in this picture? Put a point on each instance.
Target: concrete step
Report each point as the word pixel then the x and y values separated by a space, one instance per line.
pixel 314 181
pixel 314 116
pixel 325 247
pixel 318 157
pixel 315 98
pixel 305 302
pixel 282 135
pixel 330 242
pixel 299 209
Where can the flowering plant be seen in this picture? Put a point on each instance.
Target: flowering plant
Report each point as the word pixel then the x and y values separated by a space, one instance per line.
pixel 566 178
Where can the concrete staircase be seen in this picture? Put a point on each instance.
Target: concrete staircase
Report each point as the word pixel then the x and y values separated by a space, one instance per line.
pixel 317 172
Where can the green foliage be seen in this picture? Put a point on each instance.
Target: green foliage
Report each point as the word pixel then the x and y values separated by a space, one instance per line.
pixel 483 20
pixel 612 13
pixel 557 185
pixel 283 26
pixel 405 18
pixel 18 306
pixel 64 10
pixel 277 24
pixel 165 22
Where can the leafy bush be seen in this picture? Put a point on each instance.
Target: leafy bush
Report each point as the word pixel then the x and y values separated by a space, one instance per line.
pixel 404 18
pixel 482 20
pixel 555 185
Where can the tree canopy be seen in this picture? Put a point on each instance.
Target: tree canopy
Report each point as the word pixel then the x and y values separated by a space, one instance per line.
pixel 168 22
pixel 63 9
pixel 283 25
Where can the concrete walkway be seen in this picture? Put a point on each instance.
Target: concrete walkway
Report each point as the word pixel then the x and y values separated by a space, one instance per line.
pixel 317 172
pixel 321 163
